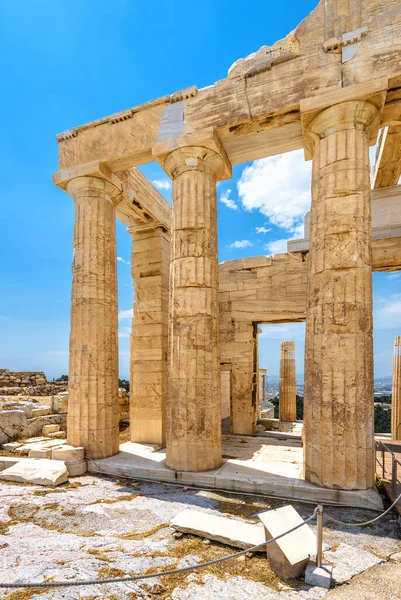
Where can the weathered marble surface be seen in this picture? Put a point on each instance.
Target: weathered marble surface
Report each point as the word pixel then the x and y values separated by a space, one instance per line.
pixel 81 530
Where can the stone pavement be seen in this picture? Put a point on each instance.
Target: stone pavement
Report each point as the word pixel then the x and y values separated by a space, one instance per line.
pixel 97 527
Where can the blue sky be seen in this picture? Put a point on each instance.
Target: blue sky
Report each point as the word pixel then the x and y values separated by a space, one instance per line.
pixel 67 62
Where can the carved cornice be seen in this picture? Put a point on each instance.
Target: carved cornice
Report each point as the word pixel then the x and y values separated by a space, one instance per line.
pixel 189 92
pixel 66 135
pixel 347 39
pixel 124 115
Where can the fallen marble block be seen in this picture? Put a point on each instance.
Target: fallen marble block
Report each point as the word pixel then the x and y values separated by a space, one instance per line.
pixel 220 529
pixel 40 471
pixel 290 554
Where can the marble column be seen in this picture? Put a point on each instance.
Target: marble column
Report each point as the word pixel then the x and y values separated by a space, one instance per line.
pixel 193 406
pixel 288 389
pixel 338 412
pixel 148 364
pixel 396 391
pixel 93 412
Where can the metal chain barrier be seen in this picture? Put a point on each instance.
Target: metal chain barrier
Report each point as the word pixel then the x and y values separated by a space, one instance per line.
pixel 365 522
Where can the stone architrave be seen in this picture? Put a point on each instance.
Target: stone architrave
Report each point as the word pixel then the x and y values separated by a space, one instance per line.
pixel 288 388
pixel 338 413
pixel 93 412
pixel 396 391
pixel 148 376
pixel 193 435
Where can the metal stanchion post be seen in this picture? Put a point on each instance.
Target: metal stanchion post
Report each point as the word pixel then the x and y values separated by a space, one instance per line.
pixel 394 475
pixel 319 553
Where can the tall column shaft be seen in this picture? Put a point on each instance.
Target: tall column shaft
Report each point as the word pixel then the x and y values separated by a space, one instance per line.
pixel 93 413
pixel 396 392
pixel 339 351
pixel 148 364
pixel 288 388
pixel 244 407
pixel 193 409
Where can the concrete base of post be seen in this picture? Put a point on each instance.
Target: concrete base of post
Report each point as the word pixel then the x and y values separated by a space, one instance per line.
pixel 319 576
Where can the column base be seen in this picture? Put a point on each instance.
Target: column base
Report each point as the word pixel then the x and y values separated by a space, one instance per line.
pixel 193 457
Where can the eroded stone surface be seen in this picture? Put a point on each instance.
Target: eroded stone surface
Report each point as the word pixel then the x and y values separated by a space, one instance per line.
pixel 11 423
pixel 36 470
pixel 97 524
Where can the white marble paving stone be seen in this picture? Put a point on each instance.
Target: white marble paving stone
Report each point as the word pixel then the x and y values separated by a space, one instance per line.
pixel 220 529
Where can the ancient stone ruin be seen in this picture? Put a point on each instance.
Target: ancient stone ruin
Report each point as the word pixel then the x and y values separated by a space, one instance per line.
pixel 332 88
pixel 32 383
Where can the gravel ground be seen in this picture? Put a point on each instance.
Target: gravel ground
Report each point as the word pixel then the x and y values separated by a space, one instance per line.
pixel 98 527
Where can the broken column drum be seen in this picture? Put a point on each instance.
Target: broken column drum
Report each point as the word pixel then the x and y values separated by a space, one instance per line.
pixel 193 405
pixel 93 369
pixel 338 410
pixel 396 391
pixel 288 389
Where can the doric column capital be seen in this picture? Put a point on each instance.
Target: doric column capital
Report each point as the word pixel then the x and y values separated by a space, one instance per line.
pixel 201 151
pixel 357 114
pixel 92 186
pixel 94 175
pixel 355 107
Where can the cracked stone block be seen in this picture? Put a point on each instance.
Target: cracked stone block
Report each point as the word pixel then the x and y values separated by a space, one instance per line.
pixel 11 424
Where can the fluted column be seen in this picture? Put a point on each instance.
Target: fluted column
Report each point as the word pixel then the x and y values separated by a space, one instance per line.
pixel 193 406
pixel 288 388
pixel 93 370
pixel 339 351
pixel 148 364
pixel 396 392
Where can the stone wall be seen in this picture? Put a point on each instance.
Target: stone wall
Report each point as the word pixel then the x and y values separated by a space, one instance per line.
pixel 261 289
pixel 31 383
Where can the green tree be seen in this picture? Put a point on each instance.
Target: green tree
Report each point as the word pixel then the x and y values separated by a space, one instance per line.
pixel 300 407
pixel 382 419
pixel 124 383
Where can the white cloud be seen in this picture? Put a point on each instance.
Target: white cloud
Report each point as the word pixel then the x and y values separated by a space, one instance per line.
pixel 126 314
pixel 298 232
pixel 394 275
pixel 162 184
pixel 388 316
pixel 283 331
pixel 241 244
pixel 124 332
pixel 277 247
pixel 279 187
pixel 121 260
pixel 225 199
pixel 262 230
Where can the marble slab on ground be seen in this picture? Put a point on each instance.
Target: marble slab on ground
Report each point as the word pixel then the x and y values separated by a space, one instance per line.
pixel 40 471
pixel 349 561
pixel 220 529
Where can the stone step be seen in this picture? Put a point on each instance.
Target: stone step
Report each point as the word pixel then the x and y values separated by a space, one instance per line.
pixel 48 429
pixel 41 412
pixel 58 435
